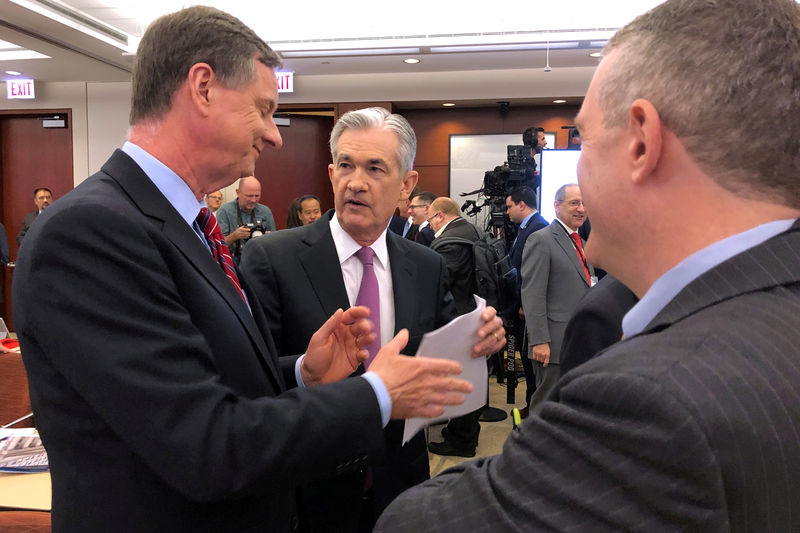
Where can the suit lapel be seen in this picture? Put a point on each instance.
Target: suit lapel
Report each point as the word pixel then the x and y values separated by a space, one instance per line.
pixel 403 273
pixel 770 264
pixel 153 204
pixel 565 242
pixel 321 264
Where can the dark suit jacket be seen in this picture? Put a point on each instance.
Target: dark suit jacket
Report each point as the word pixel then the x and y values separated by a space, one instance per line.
pixel 151 381
pixel 536 223
pixel 691 425
pixel 411 234
pixel 26 224
pixel 298 281
pixel 596 322
pixel 425 236
pixel 397 224
pixel 460 261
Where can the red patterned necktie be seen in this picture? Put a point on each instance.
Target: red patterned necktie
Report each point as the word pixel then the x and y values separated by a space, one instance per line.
pixel 219 248
pixel 576 238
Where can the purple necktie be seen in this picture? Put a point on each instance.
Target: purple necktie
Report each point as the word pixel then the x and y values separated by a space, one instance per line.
pixel 368 296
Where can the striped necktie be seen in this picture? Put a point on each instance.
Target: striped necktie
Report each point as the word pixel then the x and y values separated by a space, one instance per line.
pixel 219 249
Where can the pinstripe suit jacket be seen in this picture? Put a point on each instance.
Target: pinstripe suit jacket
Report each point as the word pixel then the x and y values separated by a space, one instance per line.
pixel 691 425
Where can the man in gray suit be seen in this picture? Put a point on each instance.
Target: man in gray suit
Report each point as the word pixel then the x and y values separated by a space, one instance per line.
pixel 692 422
pixel 555 275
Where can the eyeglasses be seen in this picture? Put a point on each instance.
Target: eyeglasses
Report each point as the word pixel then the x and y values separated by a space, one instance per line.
pixel 433 216
pixel 214 197
pixel 415 206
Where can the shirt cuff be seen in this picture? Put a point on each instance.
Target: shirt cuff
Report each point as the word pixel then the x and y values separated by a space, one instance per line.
pixel 297 376
pixel 384 400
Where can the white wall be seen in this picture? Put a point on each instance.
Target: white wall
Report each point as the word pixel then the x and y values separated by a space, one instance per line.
pixel 107 116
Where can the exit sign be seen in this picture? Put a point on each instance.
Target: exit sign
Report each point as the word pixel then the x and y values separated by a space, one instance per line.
pixel 285 82
pixel 20 89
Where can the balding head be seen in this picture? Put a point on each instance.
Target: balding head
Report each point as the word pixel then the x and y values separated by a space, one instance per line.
pixel 442 211
pixel 248 193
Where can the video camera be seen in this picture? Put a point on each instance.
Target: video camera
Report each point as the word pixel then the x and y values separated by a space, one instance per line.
pixel 518 170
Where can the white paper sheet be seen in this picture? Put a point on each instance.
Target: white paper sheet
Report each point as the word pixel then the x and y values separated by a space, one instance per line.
pixel 454 341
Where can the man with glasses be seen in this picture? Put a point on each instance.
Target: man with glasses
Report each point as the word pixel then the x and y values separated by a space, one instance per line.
pixel 214 200
pixel 418 210
pixel 461 433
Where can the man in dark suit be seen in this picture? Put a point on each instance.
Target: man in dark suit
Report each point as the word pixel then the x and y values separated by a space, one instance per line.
pixel 521 209
pixel 42 197
pixel 300 275
pixel 461 433
pixel 555 275
pixel 596 322
pixel 692 422
pixel 418 209
pixel 154 380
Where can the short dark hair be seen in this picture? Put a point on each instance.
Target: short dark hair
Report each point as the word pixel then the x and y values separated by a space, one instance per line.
pixel 425 196
pixel 37 189
pixel 524 194
pixel 307 197
pixel 175 42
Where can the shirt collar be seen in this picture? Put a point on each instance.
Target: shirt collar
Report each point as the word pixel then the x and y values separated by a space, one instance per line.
pixel 346 246
pixel 677 278
pixel 174 189
pixel 569 231
pixel 444 227
pixel 528 220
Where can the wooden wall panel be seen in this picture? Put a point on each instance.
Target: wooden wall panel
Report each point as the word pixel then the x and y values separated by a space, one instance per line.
pixel 434 127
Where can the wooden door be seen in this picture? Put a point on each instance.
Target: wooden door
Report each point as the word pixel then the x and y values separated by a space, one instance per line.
pixel 31 156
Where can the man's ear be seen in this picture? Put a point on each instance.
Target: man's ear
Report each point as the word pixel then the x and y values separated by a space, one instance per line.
pixel 200 80
pixel 409 182
pixel 644 139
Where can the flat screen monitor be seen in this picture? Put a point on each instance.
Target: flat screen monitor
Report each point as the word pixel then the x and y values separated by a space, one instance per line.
pixel 558 167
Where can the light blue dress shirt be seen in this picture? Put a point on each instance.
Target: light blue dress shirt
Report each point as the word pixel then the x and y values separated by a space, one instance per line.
pixel 674 280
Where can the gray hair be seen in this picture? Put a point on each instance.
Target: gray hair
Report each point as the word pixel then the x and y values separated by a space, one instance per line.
pixel 561 193
pixel 707 66
pixel 175 42
pixel 378 117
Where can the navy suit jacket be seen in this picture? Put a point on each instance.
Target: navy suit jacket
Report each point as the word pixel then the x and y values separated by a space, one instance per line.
pixel 691 425
pixel 152 383
pixel 298 280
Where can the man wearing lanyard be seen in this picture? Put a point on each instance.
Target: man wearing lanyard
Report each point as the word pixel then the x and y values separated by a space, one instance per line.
pixel 555 275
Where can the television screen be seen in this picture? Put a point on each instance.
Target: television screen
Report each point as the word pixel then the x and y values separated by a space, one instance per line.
pixel 558 167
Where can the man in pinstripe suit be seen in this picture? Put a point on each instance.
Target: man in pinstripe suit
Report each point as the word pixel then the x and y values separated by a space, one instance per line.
pixel 692 422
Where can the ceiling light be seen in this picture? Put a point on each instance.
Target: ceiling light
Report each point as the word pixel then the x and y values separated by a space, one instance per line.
pixel 559 101
pixel 596 54
pixel 448 104
pixel 411 60
pixel 502 47
pixel 13 72
pixel 352 52
pixel 16 55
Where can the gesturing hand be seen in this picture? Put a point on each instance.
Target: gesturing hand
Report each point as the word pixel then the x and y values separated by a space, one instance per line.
pixel 337 348
pixel 418 386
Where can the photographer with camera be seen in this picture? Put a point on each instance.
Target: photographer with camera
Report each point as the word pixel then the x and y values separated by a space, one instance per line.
pixel 244 218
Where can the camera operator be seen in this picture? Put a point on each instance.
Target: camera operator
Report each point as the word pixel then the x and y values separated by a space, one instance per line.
pixel 244 218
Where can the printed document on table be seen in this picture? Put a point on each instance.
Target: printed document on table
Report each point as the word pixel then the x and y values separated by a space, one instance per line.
pixel 455 341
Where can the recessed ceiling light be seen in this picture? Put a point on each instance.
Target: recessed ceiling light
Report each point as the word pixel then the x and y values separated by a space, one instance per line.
pixel 411 60
pixel 448 104
pixel 13 72
pixel 596 54
pixel 559 101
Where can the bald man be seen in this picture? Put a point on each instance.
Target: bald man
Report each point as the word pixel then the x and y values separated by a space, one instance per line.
pixel 238 218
